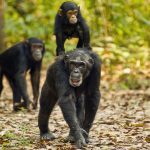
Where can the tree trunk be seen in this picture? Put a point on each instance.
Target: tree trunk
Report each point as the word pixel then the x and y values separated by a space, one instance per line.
pixel 1 25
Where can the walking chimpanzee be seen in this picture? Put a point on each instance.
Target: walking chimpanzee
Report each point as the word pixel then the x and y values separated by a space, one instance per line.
pixel 70 23
pixel 73 82
pixel 15 62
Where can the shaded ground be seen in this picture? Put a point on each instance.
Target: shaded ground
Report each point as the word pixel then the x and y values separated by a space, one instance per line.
pixel 122 123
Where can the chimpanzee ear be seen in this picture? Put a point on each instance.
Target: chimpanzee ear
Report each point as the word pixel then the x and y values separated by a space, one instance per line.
pixel 60 12
pixel 66 58
pixel 26 42
pixel 91 61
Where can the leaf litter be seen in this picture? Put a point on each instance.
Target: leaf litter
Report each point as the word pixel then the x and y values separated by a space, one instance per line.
pixel 122 123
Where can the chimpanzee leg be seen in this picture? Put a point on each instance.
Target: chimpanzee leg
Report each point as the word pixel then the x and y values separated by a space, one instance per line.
pixel 1 81
pixel 16 99
pixel 47 102
pixel 67 105
pixel 21 85
pixel 91 106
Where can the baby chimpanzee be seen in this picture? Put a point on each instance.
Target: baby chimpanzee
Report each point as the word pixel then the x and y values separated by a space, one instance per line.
pixel 70 23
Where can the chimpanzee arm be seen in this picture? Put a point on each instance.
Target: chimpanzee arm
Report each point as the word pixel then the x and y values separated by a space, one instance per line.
pixel 91 106
pixel 60 39
pixel 35 81
pixel 92 95
pixel 86 34
pixel 68 108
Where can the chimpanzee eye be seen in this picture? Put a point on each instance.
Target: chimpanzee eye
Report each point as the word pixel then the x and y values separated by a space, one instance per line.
pixel 71 65
pixel 34 46
pixel 40 46
pixel 69 12
pixel 75 12
pixel 82 65
pixel 37 46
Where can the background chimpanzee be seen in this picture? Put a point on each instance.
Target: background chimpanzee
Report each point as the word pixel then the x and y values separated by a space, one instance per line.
pixel 68 79
pixel 70 23
pixel 15 62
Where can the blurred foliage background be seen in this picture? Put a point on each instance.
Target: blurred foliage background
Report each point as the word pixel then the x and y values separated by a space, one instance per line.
pixel 120 34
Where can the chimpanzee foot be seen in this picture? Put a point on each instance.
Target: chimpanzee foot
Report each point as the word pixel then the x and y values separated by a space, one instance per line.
pixel 47 136
pixel 17 106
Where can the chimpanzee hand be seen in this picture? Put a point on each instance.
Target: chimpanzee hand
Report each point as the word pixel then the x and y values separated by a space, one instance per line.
pixel 84 133
pixel 79 139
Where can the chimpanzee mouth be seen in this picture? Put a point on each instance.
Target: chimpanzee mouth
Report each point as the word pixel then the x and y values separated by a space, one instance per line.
pixel 73 21
pixel 37 57
pixel 75 82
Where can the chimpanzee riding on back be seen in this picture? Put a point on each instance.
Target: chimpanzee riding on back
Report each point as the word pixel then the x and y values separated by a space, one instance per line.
pixel 15 62
pixel 70 23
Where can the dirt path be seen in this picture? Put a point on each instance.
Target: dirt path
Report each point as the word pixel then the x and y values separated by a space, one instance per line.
pixel 122 123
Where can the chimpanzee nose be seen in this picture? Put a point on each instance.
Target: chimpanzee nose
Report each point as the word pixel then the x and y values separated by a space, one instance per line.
pixel 73 16
pixel 76 71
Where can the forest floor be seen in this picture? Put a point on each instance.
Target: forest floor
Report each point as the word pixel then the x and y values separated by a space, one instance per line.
pixel 122 123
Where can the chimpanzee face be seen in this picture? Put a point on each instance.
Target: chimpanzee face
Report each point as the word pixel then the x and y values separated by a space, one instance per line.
pixel 77 70
pixel 79 66
pixel 72 16
pixel 69 10
pixel 36 50
pixel 35 47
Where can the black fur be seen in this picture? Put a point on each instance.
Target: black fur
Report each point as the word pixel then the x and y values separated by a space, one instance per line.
pixel 64 30
pixel 14 63
pixel 78 104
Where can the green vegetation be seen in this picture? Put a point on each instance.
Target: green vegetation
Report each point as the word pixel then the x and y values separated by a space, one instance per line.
pixel 119 33
pixel 10 140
